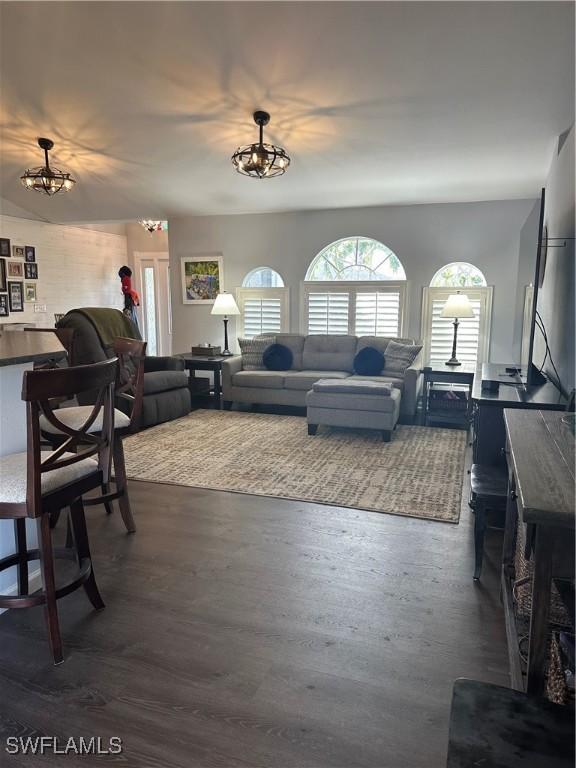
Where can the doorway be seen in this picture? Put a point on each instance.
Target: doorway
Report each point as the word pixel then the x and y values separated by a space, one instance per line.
pixel 152 273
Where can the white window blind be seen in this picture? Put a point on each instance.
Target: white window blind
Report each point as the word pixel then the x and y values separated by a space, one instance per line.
pixel 263 310
pixel 328 313
pixel 473 332
pixel 356 308
pixel 377 313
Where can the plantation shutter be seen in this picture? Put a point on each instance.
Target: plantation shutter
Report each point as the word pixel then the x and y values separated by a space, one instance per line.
pixel 377 313
pixel 328 312
pixel 473 332
pixel 262 315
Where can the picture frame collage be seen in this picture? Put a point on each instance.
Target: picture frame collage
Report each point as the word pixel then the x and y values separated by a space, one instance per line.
pixel 18 267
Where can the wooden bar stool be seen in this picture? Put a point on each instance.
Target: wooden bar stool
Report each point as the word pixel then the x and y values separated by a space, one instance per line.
pixel 37 483
pixel 489 488
pixel 129 391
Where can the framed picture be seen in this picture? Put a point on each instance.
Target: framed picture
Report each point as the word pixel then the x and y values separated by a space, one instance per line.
pixel 202 279
pixel 15 269
pixel 30 253
pixel 4 311
pixel 3 286
pixel 29 291
pixel 18 252
pixel 4 247
pixel 31 271
pixel 16 296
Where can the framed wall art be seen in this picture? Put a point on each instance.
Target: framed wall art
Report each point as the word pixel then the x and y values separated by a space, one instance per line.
pixel 31 271
pixel 3 286
pixel 15 269
pixel 16 296
pixel 202 279
pixel 30 253
pixel 5 247
pixel 18 252
pixel 4 311
pixel 29 292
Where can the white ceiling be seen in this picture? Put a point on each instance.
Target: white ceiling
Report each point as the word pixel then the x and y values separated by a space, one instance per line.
pixel 377 103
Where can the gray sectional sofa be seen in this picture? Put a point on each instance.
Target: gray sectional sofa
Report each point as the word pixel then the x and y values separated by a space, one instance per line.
pixel 314 358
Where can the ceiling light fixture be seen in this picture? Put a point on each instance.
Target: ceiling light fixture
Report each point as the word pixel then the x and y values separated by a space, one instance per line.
pixel 46 178
pixel 153 226
pixel 260 160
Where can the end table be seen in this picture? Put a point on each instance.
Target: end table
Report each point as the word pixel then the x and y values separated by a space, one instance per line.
pixel 206 363
pixel 436 372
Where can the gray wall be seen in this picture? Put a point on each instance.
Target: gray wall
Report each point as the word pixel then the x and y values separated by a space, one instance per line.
pixel 425 237
pixel 556 297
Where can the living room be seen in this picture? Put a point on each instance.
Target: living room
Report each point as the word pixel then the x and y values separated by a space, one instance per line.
pixel 353 527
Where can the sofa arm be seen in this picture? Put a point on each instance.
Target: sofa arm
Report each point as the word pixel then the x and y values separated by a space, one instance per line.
pixel 412 387
pixel 229 368
pixel 163 364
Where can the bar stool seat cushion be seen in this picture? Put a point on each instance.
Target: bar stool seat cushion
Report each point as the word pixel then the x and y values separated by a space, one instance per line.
pixel 76 416
pixel 13 479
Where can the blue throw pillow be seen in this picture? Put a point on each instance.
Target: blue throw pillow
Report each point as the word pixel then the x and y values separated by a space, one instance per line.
pixel 277 357
pixel 369 362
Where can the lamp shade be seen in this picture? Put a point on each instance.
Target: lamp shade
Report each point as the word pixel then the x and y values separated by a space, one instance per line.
pixel 457 305
pixel 225 305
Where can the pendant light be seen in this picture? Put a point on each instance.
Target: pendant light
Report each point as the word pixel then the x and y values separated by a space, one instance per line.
pixel 46 178
pixel 260 160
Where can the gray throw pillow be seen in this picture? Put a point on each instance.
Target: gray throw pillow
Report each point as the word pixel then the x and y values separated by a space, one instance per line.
pixel 398 357
pixel 252 351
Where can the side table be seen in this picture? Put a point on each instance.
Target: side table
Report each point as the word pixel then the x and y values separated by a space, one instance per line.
pixel 436 372
pixel 204 363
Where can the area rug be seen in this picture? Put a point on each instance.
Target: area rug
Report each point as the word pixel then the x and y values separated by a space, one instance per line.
pixel 418 474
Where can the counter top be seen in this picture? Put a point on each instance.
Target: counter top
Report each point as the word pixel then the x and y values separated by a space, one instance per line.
pixel 18 347
pixel 541 449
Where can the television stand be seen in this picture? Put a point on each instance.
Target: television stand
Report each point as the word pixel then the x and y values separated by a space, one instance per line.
pixel 489 405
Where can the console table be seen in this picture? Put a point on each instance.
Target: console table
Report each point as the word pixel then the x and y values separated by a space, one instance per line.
pixel 540 451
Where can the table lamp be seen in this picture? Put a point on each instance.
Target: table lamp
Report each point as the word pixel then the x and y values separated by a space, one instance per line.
pixel 457 306
pixel 225 305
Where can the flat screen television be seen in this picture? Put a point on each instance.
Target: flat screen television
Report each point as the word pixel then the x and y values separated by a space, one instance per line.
pixel 530 374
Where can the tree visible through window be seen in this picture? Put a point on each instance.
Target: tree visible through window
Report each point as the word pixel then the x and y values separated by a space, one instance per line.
pixel 355 285
pixel 356 258
pixel 458 274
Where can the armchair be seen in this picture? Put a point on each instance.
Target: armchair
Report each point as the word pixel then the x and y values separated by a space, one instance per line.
pixel 165 392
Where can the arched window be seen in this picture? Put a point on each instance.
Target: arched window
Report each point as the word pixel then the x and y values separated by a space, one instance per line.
pixel 262 277
pixel 458 274
pixel 473 332
pixel 356 258
pixel 263 302
pixel 355 286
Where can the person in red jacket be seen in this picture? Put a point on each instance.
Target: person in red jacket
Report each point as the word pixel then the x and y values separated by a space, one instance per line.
pixel 131 298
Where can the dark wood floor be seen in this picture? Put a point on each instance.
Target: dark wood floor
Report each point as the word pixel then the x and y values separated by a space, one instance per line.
pixel 245 631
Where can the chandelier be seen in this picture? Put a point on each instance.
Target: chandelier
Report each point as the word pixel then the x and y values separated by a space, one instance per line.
pixel 46 178
pixel 260 160
pixel 153 226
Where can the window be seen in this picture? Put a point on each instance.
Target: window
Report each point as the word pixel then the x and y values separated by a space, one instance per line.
pixel 263 302
pixel 474 332
pixel 355 286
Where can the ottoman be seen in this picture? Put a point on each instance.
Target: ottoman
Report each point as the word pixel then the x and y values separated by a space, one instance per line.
pixel 359 403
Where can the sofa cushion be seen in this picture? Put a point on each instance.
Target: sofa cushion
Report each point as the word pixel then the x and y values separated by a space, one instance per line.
pixel 162 381
pixel 277 357
pixel 305 380
pixel 329 353
pixel 369 362
pixel 398 357
pixel 252 351
pixel 294 342
pixel 264 379
pixel 379 342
